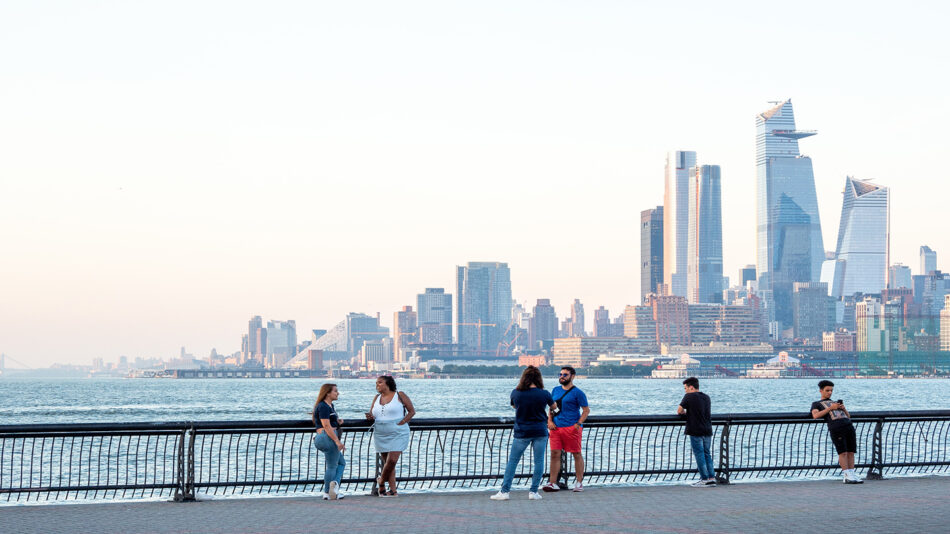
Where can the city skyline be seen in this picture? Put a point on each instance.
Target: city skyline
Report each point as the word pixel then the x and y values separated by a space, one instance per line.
pixel 148 182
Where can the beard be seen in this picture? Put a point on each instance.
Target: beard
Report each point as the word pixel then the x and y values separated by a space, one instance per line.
pixel 564 380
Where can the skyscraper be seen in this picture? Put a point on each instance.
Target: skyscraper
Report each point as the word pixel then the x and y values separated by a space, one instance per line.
pixel 484 304
pixel 405 331
pixel 651 250
pixel 676 219
pixel 861 256
pixel 434 308
pixel 281 343
pixel 577 319
pixel 704 239
pixel 543 325
pixel 899 276
pixel 256 347
pixel 601 322
pixel 789 246
pixel 928 260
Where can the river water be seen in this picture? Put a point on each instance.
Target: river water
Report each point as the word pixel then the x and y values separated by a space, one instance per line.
pixel 24 401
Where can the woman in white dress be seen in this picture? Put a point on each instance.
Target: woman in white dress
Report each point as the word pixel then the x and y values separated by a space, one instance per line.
pixel 390 412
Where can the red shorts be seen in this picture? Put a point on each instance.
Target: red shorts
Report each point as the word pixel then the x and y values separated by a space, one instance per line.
pixel 566 438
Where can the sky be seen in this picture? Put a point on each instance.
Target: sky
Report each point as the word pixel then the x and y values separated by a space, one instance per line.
pixel 170 169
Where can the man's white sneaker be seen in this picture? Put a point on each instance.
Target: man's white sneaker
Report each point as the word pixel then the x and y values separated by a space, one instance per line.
pixel 700 484
pixel 500 496
pixel 326 497
pixel 577 487
pixel 332 492
pixel 534 496
pixel 550 486
pixel 710 481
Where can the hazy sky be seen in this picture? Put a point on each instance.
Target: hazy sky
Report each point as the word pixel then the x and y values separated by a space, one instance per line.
pixel 169 169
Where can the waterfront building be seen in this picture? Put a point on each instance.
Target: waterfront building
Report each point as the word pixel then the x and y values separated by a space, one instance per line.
pixel 671 314
pixel 871 331
pixel 434 312
pixel 739 324
pixel 581 351
pixel 483 313
pixel 704 237
pixel 676 220
pixel 543 325
pixel 838 341
pixel 899 276
pixel 651 250
pixel 405 331
pixel 861 255
pixel 702 322
pixel 639 323
pixel 378 351
pixel 602 322
pixel 537 360
pixel 682 367
pixel 789 246
pixel 814 310
pixel 945 325
pixel 928 260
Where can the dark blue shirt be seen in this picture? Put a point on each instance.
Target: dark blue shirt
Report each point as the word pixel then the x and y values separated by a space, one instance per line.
pixel 572 401
pixel 531 419
pixel 327 411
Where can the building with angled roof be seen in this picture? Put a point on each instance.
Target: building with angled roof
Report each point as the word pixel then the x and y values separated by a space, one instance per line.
pixel 789 246
pixel 861 255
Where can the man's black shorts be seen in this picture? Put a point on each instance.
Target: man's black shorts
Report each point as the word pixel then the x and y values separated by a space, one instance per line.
pixel 844 439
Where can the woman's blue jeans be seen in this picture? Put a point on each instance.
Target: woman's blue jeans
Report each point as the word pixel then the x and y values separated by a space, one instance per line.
pixel 539 447
pixel 701 450
pixel 333 460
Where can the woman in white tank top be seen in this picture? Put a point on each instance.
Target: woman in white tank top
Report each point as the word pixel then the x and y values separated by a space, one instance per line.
pixel 390 412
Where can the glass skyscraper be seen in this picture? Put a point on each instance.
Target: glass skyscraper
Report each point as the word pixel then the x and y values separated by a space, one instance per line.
pixel 861 256
pixel 651 250
pixel 484 304
pixel 676 219
pixel 704 263
pixel 789 246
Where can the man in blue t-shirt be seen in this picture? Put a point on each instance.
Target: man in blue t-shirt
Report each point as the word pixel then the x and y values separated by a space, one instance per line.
pixel 567 427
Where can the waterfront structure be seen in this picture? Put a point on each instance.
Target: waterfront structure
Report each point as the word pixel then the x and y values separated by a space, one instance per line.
pixel 405 331
pixel 814 310
pixel 543 324
pixel 651 250
pixel 676 220
pixel 838 341
pixel 434 310
pixel 899 276
pixel 789 246
pixel 704 237
pixel 861 255
pixel 945 325
pixel 928 260
pixel 581 351
pixel 483 313
pixel 871 330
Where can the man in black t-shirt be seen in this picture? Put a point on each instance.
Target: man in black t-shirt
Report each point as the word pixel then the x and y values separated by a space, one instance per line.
pixel 696 407
pixel 840 429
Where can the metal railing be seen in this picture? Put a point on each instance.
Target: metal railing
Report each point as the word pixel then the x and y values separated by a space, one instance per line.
pixel 186 460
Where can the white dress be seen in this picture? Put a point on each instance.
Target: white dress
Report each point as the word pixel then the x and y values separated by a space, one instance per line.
pixel 388 435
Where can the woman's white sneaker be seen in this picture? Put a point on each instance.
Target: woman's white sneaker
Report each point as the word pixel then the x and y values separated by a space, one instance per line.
pixel 534 496
pixel 500 496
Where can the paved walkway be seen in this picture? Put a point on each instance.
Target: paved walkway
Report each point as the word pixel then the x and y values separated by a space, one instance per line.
pixel 897 505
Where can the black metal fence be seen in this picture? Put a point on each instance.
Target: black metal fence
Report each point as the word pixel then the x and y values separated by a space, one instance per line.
pixel 186 460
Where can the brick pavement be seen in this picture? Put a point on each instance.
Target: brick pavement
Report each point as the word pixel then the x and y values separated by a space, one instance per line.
pixel 897 505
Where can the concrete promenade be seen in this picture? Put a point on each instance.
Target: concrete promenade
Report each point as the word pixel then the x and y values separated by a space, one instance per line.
pixel 896 505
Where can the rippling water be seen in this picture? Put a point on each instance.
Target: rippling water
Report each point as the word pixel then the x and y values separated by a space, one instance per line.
pixel 25 401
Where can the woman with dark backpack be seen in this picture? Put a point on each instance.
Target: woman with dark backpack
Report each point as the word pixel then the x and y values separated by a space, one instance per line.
pixel 391 411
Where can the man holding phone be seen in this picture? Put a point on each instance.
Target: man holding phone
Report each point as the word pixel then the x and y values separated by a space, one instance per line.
pixel 839 427
pixel 565 421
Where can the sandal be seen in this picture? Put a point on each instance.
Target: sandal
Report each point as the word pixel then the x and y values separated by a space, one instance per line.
pixel 392 493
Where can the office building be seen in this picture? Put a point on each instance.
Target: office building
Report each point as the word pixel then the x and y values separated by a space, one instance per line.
pixel 945 325
pixel 838 341
pixel 434 309
pixel 676 220
pixel 483 313
pixel 405 331
pixel 871 330
pixel 789 246
pixel 861 255
pixel 814 310
pixel 256 339
pixel 899 276
pixel 543 324
pixel 602 322
pixel 281 342
pixel 651 250
pixel 704 238
pixel 746 275
pixel 928 260
pixel 581 351
pixel 576 325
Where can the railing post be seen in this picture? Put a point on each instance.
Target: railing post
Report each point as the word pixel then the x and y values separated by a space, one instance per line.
pixel 723 477
pixel 189 491
pixel 876 471
pixel 379 470
pixel 562 474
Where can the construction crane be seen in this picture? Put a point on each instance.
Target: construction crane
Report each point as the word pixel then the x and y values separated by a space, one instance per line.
pixel 512 340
